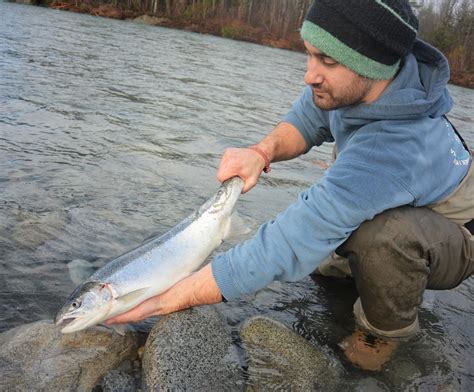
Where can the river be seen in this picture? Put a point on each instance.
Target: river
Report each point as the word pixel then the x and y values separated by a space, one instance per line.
pixel 111 131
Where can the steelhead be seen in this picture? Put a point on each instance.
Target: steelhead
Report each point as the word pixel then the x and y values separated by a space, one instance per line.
pixel 153 267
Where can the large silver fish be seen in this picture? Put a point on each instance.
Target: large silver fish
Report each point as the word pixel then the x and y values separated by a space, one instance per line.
pixel 153 267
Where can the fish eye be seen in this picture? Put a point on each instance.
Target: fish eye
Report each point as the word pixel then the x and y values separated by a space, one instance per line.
pixel 76 304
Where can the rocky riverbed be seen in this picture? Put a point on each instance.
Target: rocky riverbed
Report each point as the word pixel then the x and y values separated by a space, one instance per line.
pixel 189 350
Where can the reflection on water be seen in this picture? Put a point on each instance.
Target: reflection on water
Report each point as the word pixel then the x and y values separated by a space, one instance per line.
pixel 112 131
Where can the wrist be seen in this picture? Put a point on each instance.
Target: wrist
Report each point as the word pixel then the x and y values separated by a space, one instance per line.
pixel 207 291
pixel 264 156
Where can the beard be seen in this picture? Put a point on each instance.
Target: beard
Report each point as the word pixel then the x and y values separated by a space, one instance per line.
pixel 354 93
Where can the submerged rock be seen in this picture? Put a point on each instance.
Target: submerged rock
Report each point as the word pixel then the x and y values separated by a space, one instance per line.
pixel 38 356
pixel 35 229
pixel 191 350
pixel 401 372
pixel 280 359
pixel 80 270
pixel 368 384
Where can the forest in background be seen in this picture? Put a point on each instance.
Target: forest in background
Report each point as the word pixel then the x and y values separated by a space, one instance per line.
pixel 446 24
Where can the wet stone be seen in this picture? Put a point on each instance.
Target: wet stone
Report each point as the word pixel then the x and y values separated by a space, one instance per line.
pixel 39 357
pixel 191 350
pixel 280 359
pixel 401 372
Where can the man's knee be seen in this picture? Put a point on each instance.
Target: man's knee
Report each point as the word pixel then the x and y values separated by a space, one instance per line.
pixel 387 259
pixel 398 227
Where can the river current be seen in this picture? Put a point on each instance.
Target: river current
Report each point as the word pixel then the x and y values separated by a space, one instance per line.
pixel 111 131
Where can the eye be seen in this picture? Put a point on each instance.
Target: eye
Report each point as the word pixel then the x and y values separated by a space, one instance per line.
pixel 76 304
pixel 329 61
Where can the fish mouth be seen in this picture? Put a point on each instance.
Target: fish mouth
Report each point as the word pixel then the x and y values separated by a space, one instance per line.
pixel 62 322
pixel 71 324
pixel 67 323
pixel 77 323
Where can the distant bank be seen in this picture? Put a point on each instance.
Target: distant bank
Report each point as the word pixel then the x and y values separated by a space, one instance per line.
pixel 227 28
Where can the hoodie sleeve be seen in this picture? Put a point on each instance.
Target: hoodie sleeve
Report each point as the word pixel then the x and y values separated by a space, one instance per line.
pixel 293 244
pixel 310 121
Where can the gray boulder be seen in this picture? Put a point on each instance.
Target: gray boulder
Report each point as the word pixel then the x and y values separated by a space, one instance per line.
pixel 191 350
pixel 38 357
pixel 280 359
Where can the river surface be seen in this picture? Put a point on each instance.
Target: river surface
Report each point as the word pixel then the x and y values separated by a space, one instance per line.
pixel 112 131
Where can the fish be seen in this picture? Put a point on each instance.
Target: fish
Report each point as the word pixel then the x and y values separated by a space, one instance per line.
pixel 156 265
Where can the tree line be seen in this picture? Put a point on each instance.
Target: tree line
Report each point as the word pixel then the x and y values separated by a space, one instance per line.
pixel 449 25
pixel 277 17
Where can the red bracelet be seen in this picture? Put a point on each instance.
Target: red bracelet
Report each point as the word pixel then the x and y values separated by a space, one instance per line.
pixel 258 150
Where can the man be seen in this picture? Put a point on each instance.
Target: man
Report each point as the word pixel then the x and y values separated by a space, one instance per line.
pixel 397 202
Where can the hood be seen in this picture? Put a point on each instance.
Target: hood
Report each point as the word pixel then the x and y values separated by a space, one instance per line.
pixel 418 90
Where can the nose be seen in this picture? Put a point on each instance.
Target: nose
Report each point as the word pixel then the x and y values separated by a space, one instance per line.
pixel 313 73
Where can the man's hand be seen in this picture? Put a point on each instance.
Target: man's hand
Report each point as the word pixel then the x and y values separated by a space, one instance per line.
pixel 282 143
pixel 242 162
pixel 200 288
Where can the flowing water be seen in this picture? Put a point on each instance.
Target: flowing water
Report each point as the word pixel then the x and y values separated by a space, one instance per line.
pixel 111 131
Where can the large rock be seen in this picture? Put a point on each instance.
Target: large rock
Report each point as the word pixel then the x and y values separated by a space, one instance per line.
pixel 280 359
pixel 38 357
pixel 191 350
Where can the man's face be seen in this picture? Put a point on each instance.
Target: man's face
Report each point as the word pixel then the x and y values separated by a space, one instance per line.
pixel 334 85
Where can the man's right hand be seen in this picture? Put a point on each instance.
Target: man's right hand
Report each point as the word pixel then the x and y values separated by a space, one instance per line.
pixel 242 162
pixel 282 143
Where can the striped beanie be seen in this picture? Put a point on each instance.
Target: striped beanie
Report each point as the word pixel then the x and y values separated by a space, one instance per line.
pixel 368 36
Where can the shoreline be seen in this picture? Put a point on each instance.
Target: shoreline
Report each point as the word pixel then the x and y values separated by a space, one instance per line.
pixel 228 28
pixel 232 29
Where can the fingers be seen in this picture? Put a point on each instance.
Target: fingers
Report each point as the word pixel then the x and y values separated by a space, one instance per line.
pixel 158 305
pixel 249 184
pixel 148 308
pixel 230 165
pixel 241 162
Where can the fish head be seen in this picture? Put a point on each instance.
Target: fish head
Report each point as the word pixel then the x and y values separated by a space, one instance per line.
pixel 88 305
pixel 227 195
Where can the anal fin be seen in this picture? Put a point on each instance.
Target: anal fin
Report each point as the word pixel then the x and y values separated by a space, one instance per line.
pixel 237 228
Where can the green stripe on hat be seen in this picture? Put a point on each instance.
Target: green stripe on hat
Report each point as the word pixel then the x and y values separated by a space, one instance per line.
pixel 407 24
pixel 347 56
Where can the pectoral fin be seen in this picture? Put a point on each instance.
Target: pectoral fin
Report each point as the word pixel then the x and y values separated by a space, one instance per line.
pixel 132 296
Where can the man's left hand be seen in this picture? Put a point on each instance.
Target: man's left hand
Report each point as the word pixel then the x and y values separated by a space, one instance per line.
pixel 200 288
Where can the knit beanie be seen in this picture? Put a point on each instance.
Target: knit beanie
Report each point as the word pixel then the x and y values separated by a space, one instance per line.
pixel 369 37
